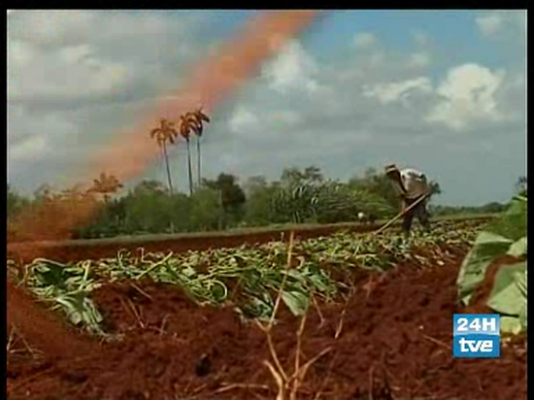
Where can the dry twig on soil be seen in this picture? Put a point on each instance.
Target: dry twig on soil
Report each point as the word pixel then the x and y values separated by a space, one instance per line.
pixel 288 383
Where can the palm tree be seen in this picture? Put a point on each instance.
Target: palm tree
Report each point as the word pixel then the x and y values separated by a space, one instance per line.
pixel 105 185
pixel 187 124
pixel 198 117
pixel 163 134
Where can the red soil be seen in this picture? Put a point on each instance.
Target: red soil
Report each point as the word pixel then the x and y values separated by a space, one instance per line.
pixel 395 344
pixel 46 330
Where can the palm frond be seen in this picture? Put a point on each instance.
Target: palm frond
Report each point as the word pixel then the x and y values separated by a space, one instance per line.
pixel 201 115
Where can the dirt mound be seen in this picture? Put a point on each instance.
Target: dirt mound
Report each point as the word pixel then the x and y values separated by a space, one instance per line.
pixel 77 250
pixel 395 342
pixel 42 328
pixel 401 335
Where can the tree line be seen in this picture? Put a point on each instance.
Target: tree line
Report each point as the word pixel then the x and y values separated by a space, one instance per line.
pixel 151 207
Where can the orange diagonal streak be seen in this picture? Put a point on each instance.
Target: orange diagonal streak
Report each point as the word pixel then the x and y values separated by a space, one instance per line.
pixel 209 83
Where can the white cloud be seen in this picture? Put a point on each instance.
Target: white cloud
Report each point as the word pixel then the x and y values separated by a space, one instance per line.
pixel 467 96
pixel 494 23
pixel 398 91
pixel 67 27
pixel 377 59
pixel 419 60
pixel 65 73
pixel 291 69
pixel 490 24
pixel 287 118
pixel 59 55
pixel 421 39
pixel 28 149
pixel 242 120
pixel 365 40
pixel 34 131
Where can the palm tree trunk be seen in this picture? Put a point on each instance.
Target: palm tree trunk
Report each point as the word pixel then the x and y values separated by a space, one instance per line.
pixel 189 169
pixel 222 216
pixel 199 162
pixel 169 179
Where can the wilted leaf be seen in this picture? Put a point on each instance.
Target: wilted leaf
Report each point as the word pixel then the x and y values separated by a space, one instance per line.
pixel 297 302
pixel 518 248
pixel 506 297
pixel 80 310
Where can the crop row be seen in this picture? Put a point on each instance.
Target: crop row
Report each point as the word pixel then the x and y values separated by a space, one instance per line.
pixel 207 276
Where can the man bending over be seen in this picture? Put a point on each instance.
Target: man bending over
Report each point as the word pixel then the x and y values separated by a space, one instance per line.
pixel 411 186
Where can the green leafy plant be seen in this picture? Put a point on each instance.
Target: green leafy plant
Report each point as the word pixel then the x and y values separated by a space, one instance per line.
pixel 509 297
pixel 68 288
pixel 505 236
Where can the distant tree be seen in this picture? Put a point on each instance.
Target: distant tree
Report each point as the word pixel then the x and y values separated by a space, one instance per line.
pixel 149 208
pixel 259 205
pixel 294 176
pixel 149 186
pixel 164 133
pixel 254 184
pixel 231 196
pixel 105 185
pixel 151 193
pixel 205 211
pixel 187 126
pixel 197 119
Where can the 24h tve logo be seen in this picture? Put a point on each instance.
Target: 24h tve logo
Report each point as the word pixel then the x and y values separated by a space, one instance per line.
pixel 476 335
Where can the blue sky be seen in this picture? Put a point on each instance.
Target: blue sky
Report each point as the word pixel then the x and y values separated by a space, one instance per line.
pixel 442 91
pixel 453 34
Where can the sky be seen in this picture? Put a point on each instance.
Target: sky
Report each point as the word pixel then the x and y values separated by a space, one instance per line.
pixel 440 91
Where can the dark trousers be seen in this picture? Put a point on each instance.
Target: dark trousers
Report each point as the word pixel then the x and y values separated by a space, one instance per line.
pixel 420 211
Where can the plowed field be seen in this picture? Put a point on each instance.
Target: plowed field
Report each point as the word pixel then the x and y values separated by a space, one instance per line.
pixel 391 340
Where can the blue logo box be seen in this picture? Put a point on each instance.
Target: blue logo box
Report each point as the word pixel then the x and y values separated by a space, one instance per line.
pixel 476 335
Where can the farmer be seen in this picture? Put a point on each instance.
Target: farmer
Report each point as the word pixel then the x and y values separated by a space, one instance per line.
pixel 411 186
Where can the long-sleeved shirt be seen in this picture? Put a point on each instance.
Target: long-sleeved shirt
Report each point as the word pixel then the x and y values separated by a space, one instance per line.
pixel 414 182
